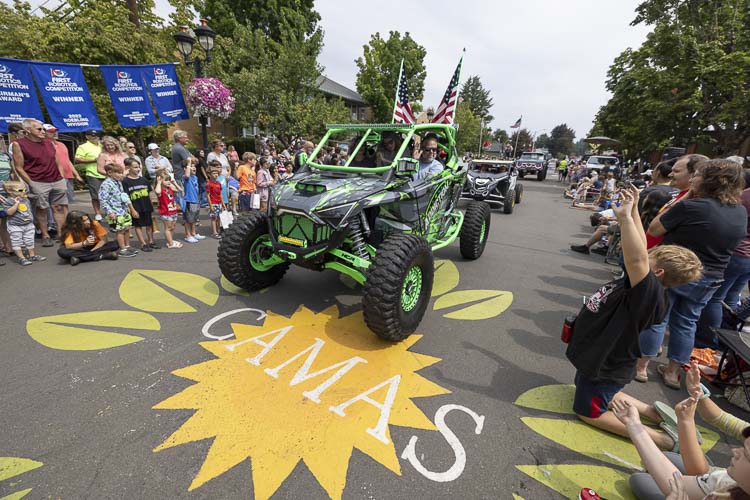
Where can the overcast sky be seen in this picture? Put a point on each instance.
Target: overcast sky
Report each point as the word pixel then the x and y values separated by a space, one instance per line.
pixel 544 59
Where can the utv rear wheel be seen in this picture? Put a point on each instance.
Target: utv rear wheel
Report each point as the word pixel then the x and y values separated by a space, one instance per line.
pixel 244 258
pixel 398 286
pixel 510 201
pixel 475 230
pixel 519 193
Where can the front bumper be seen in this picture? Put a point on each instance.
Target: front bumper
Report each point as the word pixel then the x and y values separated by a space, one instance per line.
pixel 479 195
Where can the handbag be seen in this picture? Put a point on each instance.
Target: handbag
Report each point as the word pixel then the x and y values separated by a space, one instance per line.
pixel 568 328
pixel 226 218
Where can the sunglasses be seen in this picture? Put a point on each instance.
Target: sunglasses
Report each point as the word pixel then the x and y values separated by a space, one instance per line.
pixel 430 150
pixel 19 190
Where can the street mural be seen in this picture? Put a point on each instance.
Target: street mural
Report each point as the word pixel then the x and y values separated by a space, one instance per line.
pixel 10 467
pixel 309 387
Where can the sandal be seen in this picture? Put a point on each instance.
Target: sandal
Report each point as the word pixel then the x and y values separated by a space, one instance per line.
pixel 671 432
pixel 175 244
pixel 661 370
pixel 641 378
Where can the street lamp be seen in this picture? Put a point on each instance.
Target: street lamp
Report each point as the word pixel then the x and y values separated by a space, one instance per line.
pixel 534 136
pixel 185 39
pixel 430 114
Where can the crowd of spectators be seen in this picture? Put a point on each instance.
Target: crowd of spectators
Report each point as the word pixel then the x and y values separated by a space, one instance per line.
pixel 129 193
pixel 681 231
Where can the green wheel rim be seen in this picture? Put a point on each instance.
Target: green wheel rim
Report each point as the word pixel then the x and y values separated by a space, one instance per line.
pixel 258 262
pixel 412 289
pixel 483 231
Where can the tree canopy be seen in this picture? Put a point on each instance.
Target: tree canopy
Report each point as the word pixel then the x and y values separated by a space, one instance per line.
pixel 378 72
pixel 467 137
pixel 524 141
pixel 478 98
pixel 561 140
pixel 689 82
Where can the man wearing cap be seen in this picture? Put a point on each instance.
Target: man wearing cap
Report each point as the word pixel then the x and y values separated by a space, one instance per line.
pixel 63 158
pixel 36 164
pixel 86 155
pixel 155 160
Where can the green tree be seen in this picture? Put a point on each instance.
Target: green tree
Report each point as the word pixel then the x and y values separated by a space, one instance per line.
pixel 90 33
pixel 478 98
pixel 378 72
pixel 273 17
pixel 467 137
pixel 689 82
pixel 561 140
pixel 524 141
pixel 500 135
pixel 542 141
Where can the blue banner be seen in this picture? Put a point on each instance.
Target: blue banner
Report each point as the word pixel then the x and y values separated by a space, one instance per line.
pixel 17 95
pixel 66 96
pixel 162 82
pixel 128 95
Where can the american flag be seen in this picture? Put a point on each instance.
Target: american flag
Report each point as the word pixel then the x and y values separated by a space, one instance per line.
pixel 447 109
pixel 517 124
pixel 402 112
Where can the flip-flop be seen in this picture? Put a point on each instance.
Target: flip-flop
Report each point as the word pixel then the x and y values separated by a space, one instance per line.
pixel 661 369
pixel 671 432
pixel 641 378
pixel 669 418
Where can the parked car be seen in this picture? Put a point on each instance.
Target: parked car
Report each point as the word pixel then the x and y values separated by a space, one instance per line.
pixel 599 162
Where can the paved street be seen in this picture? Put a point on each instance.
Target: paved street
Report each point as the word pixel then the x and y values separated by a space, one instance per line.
pixel 92 398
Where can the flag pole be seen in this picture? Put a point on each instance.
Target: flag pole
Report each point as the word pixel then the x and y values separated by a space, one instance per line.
pixel 515 149
pixel 398 83
pixel 460 70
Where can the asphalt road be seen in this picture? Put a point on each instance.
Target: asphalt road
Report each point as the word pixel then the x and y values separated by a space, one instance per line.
pixel 82 407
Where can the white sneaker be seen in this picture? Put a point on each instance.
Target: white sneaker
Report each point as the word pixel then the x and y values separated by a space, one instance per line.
pixel 98 217
pixel 190 239
pixel 199 237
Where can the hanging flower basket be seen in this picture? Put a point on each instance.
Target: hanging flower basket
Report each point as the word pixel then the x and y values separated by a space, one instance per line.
pixel 209 97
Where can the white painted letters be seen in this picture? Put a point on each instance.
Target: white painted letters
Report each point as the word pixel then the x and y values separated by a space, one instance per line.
pixel 457 468
pixel 266 346
pixel 304 374
pixel 379 430
pixel 212 321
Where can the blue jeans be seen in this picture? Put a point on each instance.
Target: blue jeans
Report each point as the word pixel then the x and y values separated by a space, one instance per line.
pixel 686 303
pixel 736 277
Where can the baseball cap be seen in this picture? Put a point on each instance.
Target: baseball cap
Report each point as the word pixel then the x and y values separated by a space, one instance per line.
pixel 153 146
pixel 92 132
pixel 49 128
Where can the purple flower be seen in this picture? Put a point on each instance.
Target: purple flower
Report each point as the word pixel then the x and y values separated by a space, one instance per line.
pixel 208 96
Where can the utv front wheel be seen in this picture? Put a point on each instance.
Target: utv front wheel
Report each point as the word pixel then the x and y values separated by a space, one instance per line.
pixel 398 286
pixel 510 201
pixel 245 259
pixel 519 193
pixel 475 230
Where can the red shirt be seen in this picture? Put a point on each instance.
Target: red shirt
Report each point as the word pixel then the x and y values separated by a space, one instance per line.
pixel 167 204
pixel 213 188
pixel 63 158
pixel 39 160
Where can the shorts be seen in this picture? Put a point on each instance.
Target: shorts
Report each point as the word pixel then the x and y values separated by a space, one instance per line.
pixel 144 219
pixel 592 398
pixel 120 222
pixel 214 211
pixel 94 184
pixel 246 201
pixel 169 218
pixel 21 236
pixel 191 213
pixel 45 194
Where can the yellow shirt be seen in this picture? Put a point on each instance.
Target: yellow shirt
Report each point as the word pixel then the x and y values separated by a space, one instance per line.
pixel 90 151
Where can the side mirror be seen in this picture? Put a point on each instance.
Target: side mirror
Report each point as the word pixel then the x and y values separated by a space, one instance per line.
pixel 407 166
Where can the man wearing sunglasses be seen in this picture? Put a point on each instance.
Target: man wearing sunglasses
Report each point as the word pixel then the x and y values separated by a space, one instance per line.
pixel 427 155
pixel 36 164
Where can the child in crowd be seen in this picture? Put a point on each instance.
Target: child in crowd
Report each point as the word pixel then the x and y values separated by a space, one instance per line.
pixel 246 177
pixel 215 201
pixel 604 346
pixel 263 182
pixel 192 201
pixel 138 189
pixel 234 191
pixel 20 222
pixel 84 240
pixel 166 189
pixel 222 179
pixel 118 207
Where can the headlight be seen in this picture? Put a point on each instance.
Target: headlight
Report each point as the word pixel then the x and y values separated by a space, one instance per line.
pixel 336 215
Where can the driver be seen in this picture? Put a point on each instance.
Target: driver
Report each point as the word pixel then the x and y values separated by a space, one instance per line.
pixel 426 152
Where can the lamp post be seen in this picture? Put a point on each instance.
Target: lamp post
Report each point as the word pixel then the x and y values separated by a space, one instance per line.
pixel 430 114
pixel 534 136
pixel 185 39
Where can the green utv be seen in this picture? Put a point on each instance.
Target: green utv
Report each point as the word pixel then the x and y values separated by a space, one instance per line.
pixel 375 224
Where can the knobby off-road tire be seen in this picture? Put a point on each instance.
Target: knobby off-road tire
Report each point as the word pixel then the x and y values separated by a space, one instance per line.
pixel 519 193
pixel 398 286
pixel 476 229
pixel 541 175
pixel 510 201
pixel 234 254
